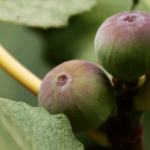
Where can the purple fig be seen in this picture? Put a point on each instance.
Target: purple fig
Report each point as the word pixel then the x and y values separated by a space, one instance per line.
pixel 122 45
pixel 81 91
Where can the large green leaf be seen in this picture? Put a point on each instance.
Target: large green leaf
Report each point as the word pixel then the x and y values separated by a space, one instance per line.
pixel 42 13
pixel 23 127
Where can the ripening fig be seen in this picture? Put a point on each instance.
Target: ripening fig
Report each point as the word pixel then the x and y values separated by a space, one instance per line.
pixel 122 45
pixel 81 91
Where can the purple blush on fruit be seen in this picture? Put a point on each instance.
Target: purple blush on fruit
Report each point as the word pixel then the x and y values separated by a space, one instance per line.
pixel 122 45
pixel 81 91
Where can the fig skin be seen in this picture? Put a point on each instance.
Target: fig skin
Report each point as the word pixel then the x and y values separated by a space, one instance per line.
pixel 122 45
pixel 81 91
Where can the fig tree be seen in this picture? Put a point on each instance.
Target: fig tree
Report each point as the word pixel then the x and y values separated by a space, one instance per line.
pixel 122 45
pixel 81 91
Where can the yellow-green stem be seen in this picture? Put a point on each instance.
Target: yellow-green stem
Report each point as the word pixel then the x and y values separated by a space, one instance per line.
pixel 19 72
pixel 142 98
pixel 100 137
pixel 32 83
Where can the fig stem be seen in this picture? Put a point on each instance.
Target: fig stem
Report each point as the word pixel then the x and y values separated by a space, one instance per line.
pixel 142 98
pixel 31 82
pixel 134 3
pixel 19 72
pixel 100 137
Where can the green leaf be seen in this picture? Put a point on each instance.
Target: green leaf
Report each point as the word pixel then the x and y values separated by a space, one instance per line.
pixel 42 13
pixel 23 127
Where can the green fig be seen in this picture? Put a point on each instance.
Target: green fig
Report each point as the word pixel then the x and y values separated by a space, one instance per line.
pixel 122 45
pixel 81 91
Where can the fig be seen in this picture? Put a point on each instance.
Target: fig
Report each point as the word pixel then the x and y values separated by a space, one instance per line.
pixel 122 45
pixel 81 91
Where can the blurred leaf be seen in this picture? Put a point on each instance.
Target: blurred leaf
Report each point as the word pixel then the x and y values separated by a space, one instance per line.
pixel 42 13
pixel 147 2
pixel 23 127
pixel 77 40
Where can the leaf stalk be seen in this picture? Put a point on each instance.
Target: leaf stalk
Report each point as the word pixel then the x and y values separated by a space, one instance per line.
pixel 19 72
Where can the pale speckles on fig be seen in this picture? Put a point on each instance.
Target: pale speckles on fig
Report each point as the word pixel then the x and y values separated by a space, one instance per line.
pixel 62 80
pixel 101 97
pixel 51 103
pixel 78 97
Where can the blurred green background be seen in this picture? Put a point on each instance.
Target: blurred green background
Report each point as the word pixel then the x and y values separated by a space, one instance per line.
pixel 40 50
